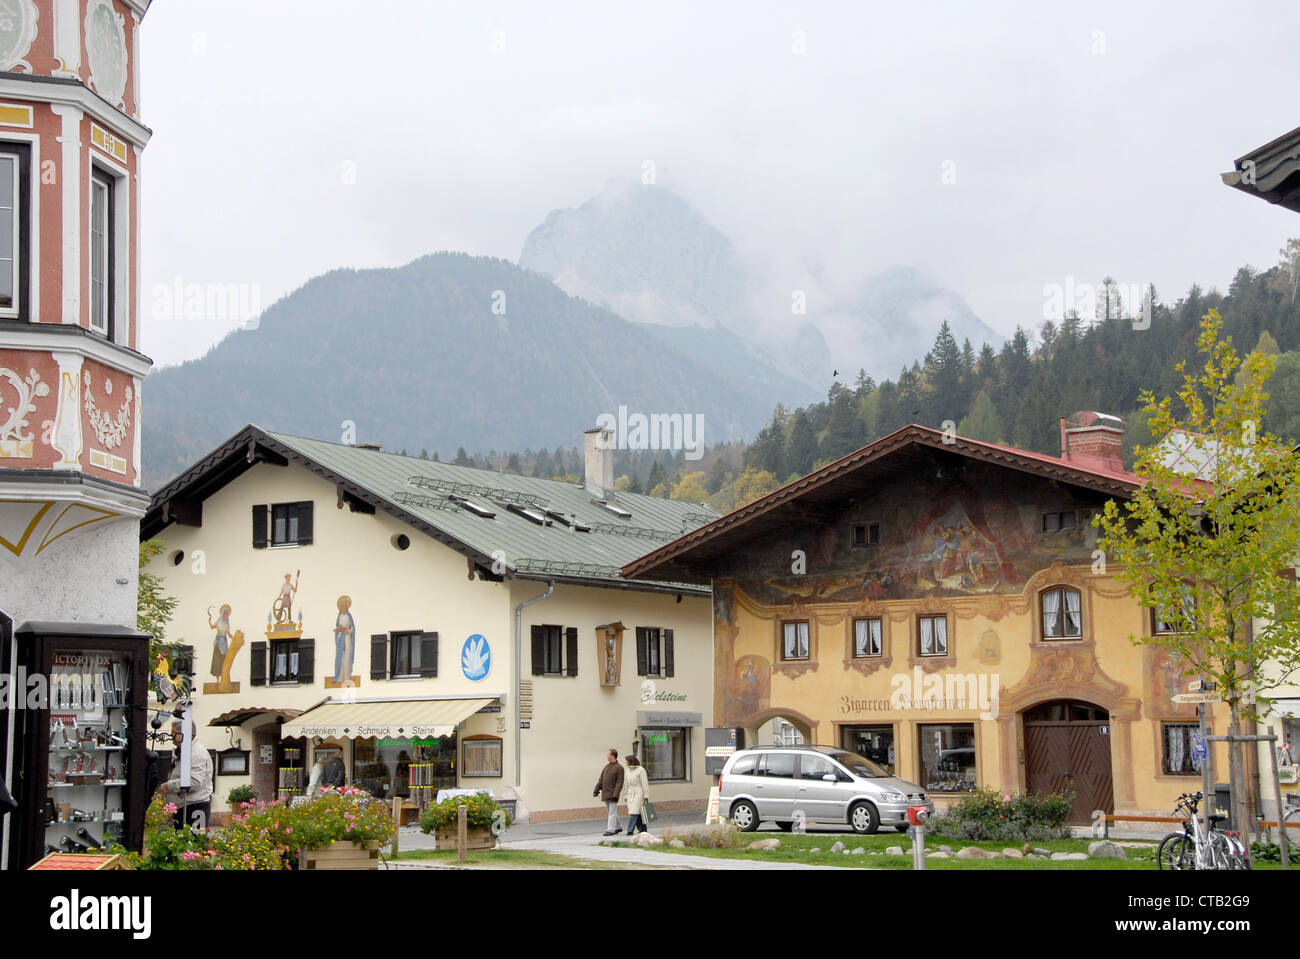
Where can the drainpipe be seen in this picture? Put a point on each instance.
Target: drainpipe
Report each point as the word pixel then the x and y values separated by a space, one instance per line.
pixel 519 654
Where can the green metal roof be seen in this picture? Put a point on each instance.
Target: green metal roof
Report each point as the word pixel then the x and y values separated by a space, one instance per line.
pixel 421 491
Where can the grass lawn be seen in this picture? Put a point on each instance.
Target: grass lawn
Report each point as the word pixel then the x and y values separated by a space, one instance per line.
pixel 795 848
pixel 512 859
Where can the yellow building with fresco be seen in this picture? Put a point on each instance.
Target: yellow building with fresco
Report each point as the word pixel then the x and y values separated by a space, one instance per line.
pixel 438 627
pixel 939 605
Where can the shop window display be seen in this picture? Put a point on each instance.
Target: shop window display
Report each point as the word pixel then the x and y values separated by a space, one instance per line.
pixel 413 769
pixel 664 753
pixel 874 742
pixel 948 757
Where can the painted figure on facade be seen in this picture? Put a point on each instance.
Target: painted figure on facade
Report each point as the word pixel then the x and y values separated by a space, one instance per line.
pixel 345 642
pixel 283 605
pixel 225 647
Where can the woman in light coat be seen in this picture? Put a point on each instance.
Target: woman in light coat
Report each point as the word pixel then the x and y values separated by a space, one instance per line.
pixel 636 792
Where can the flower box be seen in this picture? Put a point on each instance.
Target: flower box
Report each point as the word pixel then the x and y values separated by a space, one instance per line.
pixel 476 837
pixel 340 855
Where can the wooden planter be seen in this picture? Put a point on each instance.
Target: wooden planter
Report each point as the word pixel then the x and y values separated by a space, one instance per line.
pixel 476 837
pixel 340 855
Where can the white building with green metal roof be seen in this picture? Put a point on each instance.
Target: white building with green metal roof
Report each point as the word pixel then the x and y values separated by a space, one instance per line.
pixel 440 626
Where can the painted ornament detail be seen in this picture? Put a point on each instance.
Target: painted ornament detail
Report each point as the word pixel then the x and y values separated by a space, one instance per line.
pixel 17 31
pixel 106 48
pixel 14 442
pixel 476 657
pixel 110 432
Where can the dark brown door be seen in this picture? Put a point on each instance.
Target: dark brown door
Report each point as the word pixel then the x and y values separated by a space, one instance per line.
pixel 1071 749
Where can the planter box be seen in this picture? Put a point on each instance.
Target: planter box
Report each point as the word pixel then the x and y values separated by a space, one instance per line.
pixel 476 837
pixel 340 855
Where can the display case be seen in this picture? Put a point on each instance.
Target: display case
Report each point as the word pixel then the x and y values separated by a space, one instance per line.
pixel 80 747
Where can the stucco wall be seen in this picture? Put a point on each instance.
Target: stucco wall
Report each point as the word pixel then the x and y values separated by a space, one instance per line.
pixel 75 578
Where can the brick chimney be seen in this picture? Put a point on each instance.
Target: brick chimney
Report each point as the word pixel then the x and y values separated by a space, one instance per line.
pixel 1093 441
pixel 598 459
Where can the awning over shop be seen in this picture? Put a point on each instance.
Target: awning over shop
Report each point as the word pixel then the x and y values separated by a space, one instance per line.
pixel 654 717
pixel 237 717
pixel 387 718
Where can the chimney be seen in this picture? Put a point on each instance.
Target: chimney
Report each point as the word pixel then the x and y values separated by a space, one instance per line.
pixel 1093 441
pixel 598 459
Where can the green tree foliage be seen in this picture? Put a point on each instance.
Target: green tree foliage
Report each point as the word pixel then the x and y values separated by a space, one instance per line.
pixel 983 422
pixel 1203 541
pixel 801 451
pixel 154 608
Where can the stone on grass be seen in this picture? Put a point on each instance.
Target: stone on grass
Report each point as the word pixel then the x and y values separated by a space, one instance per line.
pixel 1061 856
pixel 894 851
pixel 647 839
pixel 838 847
pixel 859 851
pixel 974 852
pixel 815 849
pixel 1105 849
pixel 677 844
pixel 938 855
pixel 1013 853
pixel 1026 849
pixel 763 845
pixel 947 849
pixel 1042 852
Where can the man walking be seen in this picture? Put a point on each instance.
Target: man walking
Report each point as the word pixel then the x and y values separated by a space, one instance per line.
pixel 608 787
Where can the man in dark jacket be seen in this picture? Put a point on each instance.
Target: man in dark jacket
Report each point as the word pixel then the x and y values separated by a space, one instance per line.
pixel 608 788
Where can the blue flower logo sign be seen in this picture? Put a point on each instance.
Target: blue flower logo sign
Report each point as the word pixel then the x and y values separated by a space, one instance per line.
pixel 476 657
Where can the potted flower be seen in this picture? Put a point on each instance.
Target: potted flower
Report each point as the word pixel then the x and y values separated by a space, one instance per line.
pixel 238 797
pixel 341 829
pixel 485 819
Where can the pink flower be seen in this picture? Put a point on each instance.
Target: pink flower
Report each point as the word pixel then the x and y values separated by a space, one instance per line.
pixel 189 856
pixel 170 809
pixel 1006 798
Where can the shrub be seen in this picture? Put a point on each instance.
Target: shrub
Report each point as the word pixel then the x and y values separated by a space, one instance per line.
pixel 240 795
pixel 988 814
pixel 340 815
pixel 1272 852
pixel 482 811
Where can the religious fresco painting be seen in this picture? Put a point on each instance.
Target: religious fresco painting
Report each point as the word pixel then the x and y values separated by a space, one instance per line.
pixel 345 647
pixel 226 645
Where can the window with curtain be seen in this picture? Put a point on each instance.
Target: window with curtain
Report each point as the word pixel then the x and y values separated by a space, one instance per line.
pixel 1062 613
pixel 1176 756
pixel 866 638
pixel 794 643
pixel 1166 624
pixel 933 635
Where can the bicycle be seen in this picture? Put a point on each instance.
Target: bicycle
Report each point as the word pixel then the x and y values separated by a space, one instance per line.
pixel 1198 847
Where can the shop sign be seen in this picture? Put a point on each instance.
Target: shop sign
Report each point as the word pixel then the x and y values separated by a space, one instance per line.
pixel 653 717
pixel 476 657
pixel 718 752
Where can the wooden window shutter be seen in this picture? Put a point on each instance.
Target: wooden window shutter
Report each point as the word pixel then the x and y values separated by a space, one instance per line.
pixel 642 651
pixel 307 661
pixel 259 527
pixel 571 650
pixel 257 662
pixel 429 655
pixel 304 523
pixel 668 652
pixel 539 651
pixel 379 656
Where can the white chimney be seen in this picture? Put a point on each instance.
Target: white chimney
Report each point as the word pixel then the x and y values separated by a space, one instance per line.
pixel 598 459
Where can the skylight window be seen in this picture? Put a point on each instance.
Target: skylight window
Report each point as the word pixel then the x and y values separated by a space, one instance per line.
pixel 568 519
pixel 478 509
pixel 527 512
pixel 618 511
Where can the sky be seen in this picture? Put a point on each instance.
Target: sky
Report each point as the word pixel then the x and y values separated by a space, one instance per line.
pixel 999 147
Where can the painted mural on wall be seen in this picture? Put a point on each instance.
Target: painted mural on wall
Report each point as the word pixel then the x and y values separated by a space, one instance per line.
pixel 345 647
pixel 280 623
pixel 226 645
pixel 979 533
pixel 750 688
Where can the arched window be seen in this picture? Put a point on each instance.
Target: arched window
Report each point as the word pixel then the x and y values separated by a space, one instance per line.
pixel 1062 613
pixel 1166 624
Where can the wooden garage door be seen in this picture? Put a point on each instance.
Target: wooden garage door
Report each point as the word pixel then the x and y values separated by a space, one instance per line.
pixel 1070 751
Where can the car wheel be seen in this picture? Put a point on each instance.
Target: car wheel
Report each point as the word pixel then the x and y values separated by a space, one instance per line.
pixel 745 815
pixel 864 819
pixel 785 826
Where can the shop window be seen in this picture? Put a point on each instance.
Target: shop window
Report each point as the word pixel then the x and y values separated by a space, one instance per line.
pixel 1176 749
pixel 794 641
pixel 654 651
pixel 555 650
pixel 481 756
pixel 414 769
pixel 664 753
pixel 867 638
pixel 1062 613
pixel 14 229
pixel 932 635
pixel 948 757
pixel 1055 522
pixel 873 742
pixel 282 524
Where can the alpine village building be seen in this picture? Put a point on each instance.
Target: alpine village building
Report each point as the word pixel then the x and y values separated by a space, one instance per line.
pixel 439 627
pixel 71 138
pixel 937 604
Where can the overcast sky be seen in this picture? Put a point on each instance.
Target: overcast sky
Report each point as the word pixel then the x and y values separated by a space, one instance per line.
pixel 295 136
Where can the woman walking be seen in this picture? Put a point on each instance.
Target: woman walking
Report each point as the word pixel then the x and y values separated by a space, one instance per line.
pixel 636 787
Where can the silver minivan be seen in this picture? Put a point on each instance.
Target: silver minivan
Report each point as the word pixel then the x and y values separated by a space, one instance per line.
pixel 814 784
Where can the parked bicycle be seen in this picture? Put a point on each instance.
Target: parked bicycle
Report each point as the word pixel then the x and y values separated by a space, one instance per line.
pixel 1200 847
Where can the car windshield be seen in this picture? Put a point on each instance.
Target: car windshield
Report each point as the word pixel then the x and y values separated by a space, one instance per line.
pixel 861 766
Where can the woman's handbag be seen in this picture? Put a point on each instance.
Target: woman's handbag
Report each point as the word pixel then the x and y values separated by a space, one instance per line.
pixel 648 813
